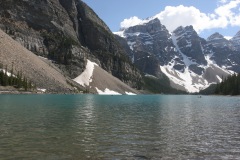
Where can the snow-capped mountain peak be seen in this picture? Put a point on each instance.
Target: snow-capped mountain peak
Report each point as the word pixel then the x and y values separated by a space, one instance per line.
pixel 218 40
pixel 215 36
pixel 185 30
pixel 190 62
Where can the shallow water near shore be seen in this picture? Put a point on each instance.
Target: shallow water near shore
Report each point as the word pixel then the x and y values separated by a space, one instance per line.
pixel 119 127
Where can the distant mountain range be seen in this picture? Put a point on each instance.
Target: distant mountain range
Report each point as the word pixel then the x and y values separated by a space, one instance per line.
pixel 189 61
pixel 71 40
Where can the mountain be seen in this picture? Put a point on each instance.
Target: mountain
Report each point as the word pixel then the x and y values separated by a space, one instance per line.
pixel 217 40
pixel 190 62
pixel 69 33
pixel 224 52
pixel 147 43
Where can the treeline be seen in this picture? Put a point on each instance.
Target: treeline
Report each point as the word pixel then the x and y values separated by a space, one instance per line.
pixel 7 78
pixel 229 86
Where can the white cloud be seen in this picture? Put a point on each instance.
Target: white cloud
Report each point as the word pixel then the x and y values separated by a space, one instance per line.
pixel 230 11
pixel 226 9
pixel 226 14
pixel 173 17
pixel 126 23
pixel 235 21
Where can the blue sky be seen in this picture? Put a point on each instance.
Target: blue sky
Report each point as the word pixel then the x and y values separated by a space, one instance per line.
pixel 206 16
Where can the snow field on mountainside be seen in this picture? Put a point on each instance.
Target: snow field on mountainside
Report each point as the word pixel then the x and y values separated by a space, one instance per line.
pixel 213 63
pixel 101 82
pixel 110 92
pixel 184 79
pixel 86 77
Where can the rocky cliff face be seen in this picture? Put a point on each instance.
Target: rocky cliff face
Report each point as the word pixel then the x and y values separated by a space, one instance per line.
pixel 67 32
pixel 189 61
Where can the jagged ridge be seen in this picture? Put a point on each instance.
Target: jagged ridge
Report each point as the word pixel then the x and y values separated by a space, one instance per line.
pixel 190 62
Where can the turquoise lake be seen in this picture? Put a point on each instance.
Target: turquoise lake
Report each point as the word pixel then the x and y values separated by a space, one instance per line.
pixel 49 127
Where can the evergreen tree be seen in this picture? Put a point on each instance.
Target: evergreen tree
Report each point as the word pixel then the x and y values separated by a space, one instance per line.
pixel 5 77
pixel 1 77
pixel 229 86
pixel 11 80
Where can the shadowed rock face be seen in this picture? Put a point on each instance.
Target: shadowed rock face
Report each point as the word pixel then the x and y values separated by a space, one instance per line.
pixel 67 32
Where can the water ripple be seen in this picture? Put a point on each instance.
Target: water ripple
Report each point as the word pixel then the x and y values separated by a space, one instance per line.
pixel 119 127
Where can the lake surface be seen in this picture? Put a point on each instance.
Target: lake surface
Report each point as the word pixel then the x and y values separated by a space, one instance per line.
pixel 49 127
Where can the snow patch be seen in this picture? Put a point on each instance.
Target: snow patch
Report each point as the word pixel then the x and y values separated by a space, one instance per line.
pixel 148 43
pixel 86 77
pixel 208 59
pixel 185 79
pixel 152 76
pixel 42 57
pixel 190 80
pixel 107 92
pixel 8 73
pixel 130 93
pixel 219 78
pixel 131 44
pixel 136 34
pixel 213 63
pixel 133 58
pixel 41 90
pixel 228 37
